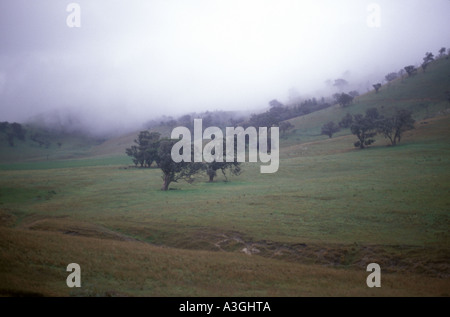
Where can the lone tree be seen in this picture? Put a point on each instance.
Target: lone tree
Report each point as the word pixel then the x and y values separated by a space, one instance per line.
pixel 377 87
pixel 329 129
pixel 411 70
pixel 173 171
pixel 346 121
pixel 392 128
pixel 391 76
pixel 344 99
pixel 340 83
pixel 429 57
pixel 364 127
pixel 285 126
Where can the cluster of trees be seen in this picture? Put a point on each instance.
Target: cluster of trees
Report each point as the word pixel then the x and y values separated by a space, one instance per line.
pixel 16 131
pixel 41 140
pixel 366 126
pixel 217 118
pixel 12 131
pixel 152 150
pixel 411 70
pixel 279 113
pixel 344 99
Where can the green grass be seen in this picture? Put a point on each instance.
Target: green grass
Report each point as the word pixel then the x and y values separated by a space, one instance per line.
pixel 308 230
pixel 57 164
pixel 324 212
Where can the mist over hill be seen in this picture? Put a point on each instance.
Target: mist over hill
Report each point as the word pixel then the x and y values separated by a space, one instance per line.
pixel 130 62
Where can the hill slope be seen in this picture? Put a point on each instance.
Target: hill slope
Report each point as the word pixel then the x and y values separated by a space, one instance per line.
pixel 424 94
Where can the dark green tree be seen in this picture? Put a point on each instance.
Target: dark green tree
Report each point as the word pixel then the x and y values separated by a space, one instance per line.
pixel 392 128
pixel 145 152
pixel 285 126
pixel 391 76
pixel 12 131
pixel 377 87
pixel 365 127
pixel 429 57
pixel 411 70
pixel 344 99
pixel 213 167
pixel 346 121
pixel 172 171
pixel 329 129
pixel 233 167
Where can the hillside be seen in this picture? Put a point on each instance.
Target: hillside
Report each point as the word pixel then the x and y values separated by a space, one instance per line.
pixel 43 144
pixel 424 94
pixel 310 229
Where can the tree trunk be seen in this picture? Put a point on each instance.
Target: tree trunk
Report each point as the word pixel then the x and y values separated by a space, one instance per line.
pixel 361 144
pixel 166 183
pixel 211 178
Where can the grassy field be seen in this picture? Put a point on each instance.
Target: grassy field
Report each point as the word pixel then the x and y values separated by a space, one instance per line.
pixel 308 230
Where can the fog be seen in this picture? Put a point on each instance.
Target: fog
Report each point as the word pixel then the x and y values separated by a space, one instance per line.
pixel 131 61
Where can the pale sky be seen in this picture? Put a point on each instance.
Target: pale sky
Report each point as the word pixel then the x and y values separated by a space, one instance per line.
pixel 131 60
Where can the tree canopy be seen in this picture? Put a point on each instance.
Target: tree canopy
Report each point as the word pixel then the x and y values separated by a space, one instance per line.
pixel 392 128
pixel 364 127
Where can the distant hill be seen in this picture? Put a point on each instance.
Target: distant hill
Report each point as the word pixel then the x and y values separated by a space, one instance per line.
pixel 425 94
pixel 39 143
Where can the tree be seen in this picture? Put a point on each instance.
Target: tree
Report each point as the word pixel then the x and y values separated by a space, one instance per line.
pixel 429 57
pixel 146 150
pixel 275 103
pixel 411 70
pixel 391 76
pixel 373 114
pixel 186 121
pixel 392 128
pixel 442 52
pixel 354 93
pixel 172 171
pixel 12 130
pixel 346 121
pixel 424 66
pixel 364 127
pixel 265 119
pixel 285 126
pixel 340 83
pixel 329 129
pixel 212 167
pixel 133 152
pixel 344 99
pixel 377 87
